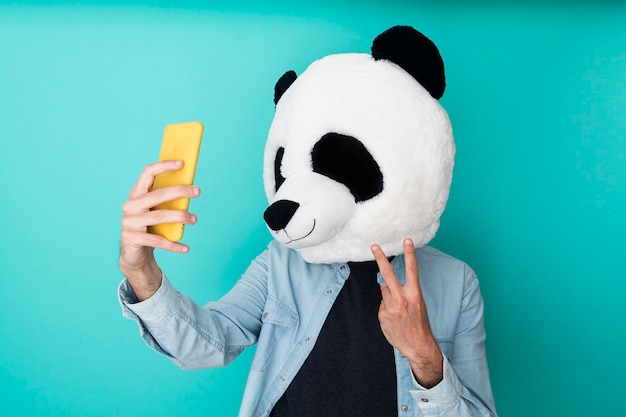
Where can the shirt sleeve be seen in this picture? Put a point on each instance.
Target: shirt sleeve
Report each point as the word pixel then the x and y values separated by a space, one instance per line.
pixel 193 336
pixel 465 390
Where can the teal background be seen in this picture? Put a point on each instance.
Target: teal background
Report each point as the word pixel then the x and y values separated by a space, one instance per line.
pixel 537 96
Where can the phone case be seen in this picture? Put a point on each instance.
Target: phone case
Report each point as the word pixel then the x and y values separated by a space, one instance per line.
pixel 181 141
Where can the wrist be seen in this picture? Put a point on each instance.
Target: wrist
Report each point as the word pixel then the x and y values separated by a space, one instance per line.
pixel 144 281
pixel 427 367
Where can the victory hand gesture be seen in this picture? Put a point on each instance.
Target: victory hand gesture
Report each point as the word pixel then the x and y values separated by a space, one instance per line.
pixel 404 319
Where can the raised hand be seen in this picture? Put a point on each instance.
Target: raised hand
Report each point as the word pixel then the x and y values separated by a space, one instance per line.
pixel 136 260
pixel 404 319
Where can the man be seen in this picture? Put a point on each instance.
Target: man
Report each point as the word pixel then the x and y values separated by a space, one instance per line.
pixel 340 328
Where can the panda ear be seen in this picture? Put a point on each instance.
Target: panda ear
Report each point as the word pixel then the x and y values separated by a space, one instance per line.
pixel 283 84
pixel 414 53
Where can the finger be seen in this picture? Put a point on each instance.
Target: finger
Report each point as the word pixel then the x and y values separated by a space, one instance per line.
pixel 382 314
pixel 412 273
pixel 146 179
pixel 386 293
pixel 152 199
pixel 138 240
pixel 385 269
pixel 154 217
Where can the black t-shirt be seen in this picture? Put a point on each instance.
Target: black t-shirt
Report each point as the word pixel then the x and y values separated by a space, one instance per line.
pixel 351 370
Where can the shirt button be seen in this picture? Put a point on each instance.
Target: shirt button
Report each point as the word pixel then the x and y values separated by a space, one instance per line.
pixel 424 400
pixel 307 339
pixel 342 267
pixel 282 378
pixel 329 291
pixel 265 315
pixel 405 408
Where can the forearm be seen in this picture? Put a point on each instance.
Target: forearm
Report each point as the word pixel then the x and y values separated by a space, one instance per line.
pixel 194 336
pixel 450 398
pixel 144 281
pixel 175 326
pixel 465 389
pixel 428 368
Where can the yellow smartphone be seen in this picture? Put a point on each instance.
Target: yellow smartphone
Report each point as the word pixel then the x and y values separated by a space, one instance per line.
pixel 181 141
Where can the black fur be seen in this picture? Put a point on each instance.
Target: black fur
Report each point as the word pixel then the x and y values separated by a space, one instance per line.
pixel 346 160
pixel 415 53
pixel 283 83
pixel 278 177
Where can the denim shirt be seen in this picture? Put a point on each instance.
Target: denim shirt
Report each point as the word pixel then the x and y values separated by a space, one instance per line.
pixel 281 303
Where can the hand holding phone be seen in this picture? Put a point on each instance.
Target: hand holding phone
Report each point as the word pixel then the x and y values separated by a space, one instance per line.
pixel 181 141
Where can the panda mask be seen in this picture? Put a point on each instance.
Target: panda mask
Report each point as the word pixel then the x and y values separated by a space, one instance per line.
pixel 360 151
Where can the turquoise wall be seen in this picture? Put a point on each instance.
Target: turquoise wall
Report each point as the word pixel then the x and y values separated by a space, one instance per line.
pixel 537 96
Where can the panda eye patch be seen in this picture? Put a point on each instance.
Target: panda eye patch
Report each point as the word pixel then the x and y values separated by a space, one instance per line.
pixel 278 177
pixel 346 160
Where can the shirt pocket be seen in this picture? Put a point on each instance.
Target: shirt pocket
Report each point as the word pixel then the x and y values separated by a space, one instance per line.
pixel 278 322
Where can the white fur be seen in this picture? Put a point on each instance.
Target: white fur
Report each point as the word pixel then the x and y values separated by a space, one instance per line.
pixel 320 215
pixel 402 126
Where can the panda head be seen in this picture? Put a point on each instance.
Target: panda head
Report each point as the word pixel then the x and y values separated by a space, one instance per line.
pixel 360 151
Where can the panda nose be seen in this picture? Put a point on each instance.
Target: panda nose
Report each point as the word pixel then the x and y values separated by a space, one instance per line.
pixel 278 215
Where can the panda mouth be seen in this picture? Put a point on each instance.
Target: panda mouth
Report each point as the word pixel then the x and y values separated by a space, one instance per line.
pixel 299 238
